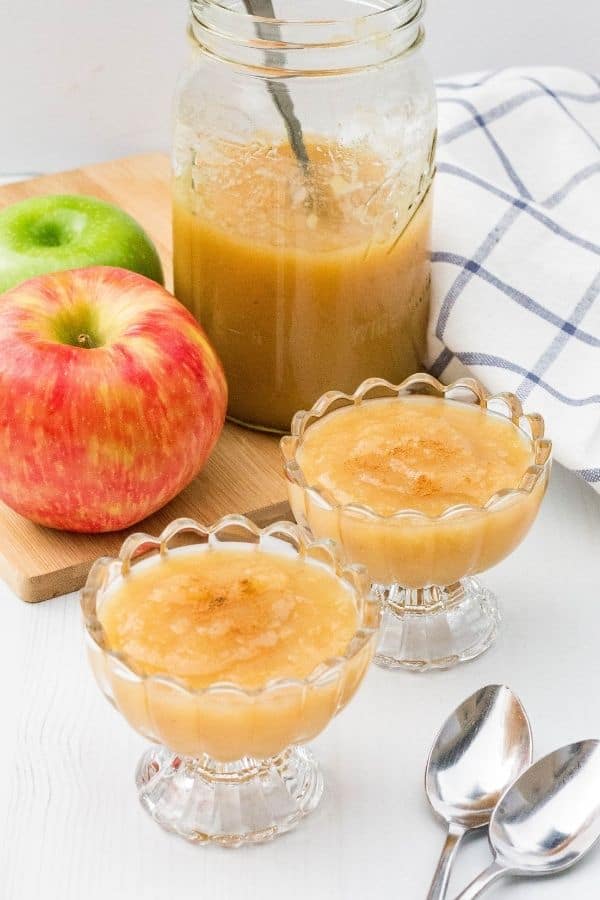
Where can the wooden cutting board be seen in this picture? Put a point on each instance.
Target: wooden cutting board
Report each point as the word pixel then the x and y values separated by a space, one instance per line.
pixel 244 472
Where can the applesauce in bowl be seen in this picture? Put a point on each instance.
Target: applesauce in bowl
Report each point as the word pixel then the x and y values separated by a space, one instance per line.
pixel 426 486
pixel 229 652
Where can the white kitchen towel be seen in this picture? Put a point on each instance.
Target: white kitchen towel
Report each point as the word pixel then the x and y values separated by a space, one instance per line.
pixel 516 247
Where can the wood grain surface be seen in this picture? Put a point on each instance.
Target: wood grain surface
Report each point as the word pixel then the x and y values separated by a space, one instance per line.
pixel 244 473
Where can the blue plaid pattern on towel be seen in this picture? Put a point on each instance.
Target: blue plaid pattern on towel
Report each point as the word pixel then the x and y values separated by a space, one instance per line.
pixel 516 247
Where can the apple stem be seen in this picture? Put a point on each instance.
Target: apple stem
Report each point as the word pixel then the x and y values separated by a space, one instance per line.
pixel 85 341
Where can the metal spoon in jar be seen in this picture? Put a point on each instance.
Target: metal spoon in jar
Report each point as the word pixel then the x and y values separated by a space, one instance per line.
pixel 263 9
pixel 548 819
pixel 481 749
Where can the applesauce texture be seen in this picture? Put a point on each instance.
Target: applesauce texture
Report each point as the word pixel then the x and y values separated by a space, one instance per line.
pixel 418 453
pixel 224 615
pixel 303 282
pixel 409 460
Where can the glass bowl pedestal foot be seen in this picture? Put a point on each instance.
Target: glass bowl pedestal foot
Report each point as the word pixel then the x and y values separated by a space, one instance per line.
pixel 245 802
pixel 435 627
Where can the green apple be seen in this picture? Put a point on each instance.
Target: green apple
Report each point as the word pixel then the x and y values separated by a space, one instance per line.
pixel 61 231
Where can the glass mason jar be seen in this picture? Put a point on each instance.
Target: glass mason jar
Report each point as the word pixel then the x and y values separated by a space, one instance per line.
pixel 303 163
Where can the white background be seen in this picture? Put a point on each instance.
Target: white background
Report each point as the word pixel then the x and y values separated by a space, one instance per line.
pixel 71 827
pixel 86 80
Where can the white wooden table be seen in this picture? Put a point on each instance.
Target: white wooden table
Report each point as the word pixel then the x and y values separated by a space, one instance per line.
pixel 72 828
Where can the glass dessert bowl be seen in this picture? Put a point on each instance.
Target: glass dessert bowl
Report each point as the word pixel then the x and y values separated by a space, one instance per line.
pixel 425 485
pixel 229 647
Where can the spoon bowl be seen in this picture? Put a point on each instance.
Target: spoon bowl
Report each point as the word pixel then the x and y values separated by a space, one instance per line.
pixel 480 750
pixel 551 815
pixel 548 819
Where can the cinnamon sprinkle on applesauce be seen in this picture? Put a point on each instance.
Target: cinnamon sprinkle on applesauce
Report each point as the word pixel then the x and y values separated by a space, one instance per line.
pixel 230 615
pixel 420 453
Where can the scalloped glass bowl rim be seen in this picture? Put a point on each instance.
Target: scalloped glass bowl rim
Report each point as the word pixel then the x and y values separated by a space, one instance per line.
pixel 302 421
pixel 106 569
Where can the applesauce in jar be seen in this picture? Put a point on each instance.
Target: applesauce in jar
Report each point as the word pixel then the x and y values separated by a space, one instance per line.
pixel 305 275
pixel 310 296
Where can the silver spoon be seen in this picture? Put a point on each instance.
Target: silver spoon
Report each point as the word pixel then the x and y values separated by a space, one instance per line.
pixel 481 749
pixel 277 87
pixel 548 819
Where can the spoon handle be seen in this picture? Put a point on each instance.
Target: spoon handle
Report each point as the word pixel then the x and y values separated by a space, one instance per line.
pixel 483 881
pixel 277 88
pixel 439 885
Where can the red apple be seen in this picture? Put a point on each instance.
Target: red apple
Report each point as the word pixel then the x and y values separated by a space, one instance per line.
pixel 111 398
